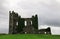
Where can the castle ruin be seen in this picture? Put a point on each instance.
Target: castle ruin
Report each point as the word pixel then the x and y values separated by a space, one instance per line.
pixel 24 25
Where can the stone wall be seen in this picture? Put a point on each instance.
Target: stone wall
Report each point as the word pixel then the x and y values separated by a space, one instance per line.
pixel 18 25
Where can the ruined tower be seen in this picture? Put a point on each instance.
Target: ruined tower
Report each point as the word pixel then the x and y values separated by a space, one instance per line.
pixel 35 21
pixel 13 22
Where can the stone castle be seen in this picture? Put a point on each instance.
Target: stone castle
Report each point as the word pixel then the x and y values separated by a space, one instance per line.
pixel 18 25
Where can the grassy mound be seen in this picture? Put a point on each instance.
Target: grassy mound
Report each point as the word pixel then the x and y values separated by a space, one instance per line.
pixel 29 36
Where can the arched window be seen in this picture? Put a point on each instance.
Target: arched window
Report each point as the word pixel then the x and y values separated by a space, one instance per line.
pixel 45 32
pixel 25 32
pixel 16 23
pixel 31 22
pixel 25 23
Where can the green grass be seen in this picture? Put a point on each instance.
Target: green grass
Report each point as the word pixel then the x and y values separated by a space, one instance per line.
pixel 29 36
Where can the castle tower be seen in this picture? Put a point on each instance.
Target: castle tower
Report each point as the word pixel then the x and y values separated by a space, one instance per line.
pixel 35 21
pixel 13 22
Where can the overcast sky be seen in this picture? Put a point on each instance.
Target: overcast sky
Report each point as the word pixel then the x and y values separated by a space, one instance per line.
pixel 48 13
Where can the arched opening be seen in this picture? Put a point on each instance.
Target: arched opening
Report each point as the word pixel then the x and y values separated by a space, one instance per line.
pixel 31 22
pixel 25 32
pixel 17 23
pixel 45 32
pixel 25 23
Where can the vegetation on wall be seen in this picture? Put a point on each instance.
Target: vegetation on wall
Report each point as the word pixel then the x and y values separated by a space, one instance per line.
pixel 20 24
pixel 35 21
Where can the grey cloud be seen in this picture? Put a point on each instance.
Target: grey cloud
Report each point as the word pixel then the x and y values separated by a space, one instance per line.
pixel 3 18
pixel 48 12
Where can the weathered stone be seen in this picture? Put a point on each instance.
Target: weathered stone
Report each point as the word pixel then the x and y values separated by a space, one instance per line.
pixel 25 25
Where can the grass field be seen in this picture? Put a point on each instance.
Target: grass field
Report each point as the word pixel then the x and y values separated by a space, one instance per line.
pixel 29 36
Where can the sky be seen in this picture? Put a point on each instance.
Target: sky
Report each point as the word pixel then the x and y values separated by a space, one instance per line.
pixel 48 12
